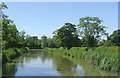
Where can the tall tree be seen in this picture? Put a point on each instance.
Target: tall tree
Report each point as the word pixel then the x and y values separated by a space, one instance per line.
pixel 2 7
pixel 67 36
pixel 32 42
pixel 9 31
pixel 44 41
pixel 113 39
pixel 51 43
pixel 92 30
pixel 21 38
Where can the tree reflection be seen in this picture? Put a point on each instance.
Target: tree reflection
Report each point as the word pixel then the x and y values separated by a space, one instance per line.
pixel 64 66
pixel 9 70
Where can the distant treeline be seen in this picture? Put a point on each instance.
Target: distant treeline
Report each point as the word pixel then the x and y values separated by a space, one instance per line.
pixel 88 33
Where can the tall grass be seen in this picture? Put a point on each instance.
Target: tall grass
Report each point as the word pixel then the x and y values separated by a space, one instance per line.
pixel 105 58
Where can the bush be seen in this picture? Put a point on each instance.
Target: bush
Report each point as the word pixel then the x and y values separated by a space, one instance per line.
pixel 12 53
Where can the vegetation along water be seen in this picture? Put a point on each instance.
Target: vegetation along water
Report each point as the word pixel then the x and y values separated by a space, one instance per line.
pixel 44 63
pixel 68 53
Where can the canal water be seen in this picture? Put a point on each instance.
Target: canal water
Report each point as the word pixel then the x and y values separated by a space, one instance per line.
pixel 41 63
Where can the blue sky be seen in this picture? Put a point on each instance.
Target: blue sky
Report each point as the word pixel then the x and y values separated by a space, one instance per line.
pixel 42 18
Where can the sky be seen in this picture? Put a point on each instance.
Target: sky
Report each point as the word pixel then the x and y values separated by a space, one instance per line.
pixel 43 18
pixel 59 0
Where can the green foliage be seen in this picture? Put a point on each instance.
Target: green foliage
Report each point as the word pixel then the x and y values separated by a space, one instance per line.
pixel 113 39
pixel 4 58
pixel 2 7
pixel 83 42
pixel 11 37
pixel 108 43
pixel 12 53
pixel 9 34
pixel 86 49
pixel 101 43
pixel 105 58
pixel 27 49
pixel 21 38
pixel 56 41
pixel 67 35
pixel 32 42
pixel 44 41
pixel 9 31
pixel 90 28
pixel 52 43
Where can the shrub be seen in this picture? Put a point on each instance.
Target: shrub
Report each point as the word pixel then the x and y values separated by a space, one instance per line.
pixel 12 53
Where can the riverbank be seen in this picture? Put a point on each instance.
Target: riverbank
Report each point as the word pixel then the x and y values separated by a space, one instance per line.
pixel 11 53
pixel 42 63
pixel 104 58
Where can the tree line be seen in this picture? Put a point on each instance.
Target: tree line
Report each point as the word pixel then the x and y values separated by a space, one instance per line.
pixel 88 33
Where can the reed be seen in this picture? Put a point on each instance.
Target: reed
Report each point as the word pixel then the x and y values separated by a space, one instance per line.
pixel 104 58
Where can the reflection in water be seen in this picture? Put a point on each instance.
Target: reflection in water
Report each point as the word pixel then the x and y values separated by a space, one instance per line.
pixel 9 70
pixel 64 66
pixel 40 63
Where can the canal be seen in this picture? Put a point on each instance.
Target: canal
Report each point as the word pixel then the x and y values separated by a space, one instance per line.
pixel 41 63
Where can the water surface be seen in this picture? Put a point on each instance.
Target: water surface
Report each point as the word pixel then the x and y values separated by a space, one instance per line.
pixel 41 63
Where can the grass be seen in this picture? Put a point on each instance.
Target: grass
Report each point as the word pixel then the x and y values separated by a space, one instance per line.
pixel 104 58
pixel 12 53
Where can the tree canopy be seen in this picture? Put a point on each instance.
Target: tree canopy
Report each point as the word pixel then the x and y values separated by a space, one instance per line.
pixel 87 33
pixel 91 29
pixel 67 36
pixel 113 39
pixel 44 41
pixel 11 37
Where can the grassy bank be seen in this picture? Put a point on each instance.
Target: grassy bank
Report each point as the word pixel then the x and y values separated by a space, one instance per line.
pixel 105 58
pixel 12 53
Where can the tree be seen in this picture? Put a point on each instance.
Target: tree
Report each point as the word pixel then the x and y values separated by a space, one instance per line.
pixel 44 41
pixel 56 41
pixel 21 39
pixel 83 42
pixel 10 34
pixel 2 7
pixel 113 39
pixel 67 36
pixel 51 43
pixel 9 31
pixel 92 30
pixel 11 37
pixel 102 42
pixel 36 42
pixel 32 42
